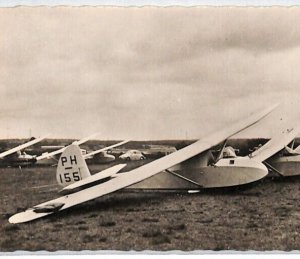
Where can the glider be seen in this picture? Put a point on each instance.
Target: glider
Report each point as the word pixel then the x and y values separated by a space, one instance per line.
pixel 74 175
pixel 14 156
pixel 52 157
pixel 101 156
pixel 277 155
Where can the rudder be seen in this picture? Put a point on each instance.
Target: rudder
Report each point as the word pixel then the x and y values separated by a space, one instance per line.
pixel 71 166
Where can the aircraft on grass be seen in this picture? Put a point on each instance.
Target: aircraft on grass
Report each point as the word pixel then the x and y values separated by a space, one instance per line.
pixel 98 156
pixel 101 156
pixel 80 186
pixel 277 155
pixel 278 152
pixel 51 158
pixel 15 156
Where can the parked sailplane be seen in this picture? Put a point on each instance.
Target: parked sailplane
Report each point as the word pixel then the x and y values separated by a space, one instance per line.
pixel 52 157
pixel 101 154
pixel 74 175
pixel 277 155
pixel 14 156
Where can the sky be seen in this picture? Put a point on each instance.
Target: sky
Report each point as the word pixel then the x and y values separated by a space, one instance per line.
pixel 146 73
pixel 12 3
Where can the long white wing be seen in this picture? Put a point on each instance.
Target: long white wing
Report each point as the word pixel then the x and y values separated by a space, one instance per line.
pixel 136 175
pixel 59 151
pixel 91 154
pixel 275 144
pixel 79 142
pixel 20 147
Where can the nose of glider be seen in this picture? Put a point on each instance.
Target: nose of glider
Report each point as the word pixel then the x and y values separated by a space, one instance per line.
pixel 259 170
pixel 245 169
pixel 263 171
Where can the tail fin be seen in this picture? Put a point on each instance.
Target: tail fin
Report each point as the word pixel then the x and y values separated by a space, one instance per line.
pixel 71 166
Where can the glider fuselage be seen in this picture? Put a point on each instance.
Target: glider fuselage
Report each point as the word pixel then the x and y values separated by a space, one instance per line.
pixel 196 173
pixel 286 165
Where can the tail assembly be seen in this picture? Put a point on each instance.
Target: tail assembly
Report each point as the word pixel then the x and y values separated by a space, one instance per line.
pixel 97 178
pixel 71 166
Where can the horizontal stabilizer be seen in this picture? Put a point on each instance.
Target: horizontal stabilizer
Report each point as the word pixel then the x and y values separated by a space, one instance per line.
pixel 107 173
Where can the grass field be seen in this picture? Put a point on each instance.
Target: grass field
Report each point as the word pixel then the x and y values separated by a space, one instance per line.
pixel 263 217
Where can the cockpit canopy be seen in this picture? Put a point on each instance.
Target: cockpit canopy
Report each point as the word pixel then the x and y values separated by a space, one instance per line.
pixel 229 152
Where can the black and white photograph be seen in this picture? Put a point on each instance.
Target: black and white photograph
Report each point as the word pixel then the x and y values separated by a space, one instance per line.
pixel 149 129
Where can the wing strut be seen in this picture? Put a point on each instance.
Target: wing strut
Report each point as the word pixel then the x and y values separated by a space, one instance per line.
pixel 221 151
pixel 184 178
pixel 273 168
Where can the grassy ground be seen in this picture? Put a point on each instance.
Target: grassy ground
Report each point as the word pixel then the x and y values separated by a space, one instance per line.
pixel 264 217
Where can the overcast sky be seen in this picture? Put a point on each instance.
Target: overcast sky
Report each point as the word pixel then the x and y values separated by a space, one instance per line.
pixel 145 73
